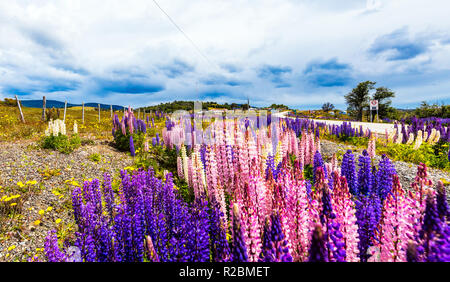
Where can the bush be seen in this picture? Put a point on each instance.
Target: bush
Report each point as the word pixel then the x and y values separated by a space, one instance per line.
pixel 52 114
pixel 122 142
pixel 95 157
pixel 434 156
pixel 61 143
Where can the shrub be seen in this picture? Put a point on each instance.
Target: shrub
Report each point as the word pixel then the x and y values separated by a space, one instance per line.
pixel 52 114
pixel 61 143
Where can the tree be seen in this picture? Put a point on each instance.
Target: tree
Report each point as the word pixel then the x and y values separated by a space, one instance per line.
pixel 358 98
pixel 384 95
pixel 327 107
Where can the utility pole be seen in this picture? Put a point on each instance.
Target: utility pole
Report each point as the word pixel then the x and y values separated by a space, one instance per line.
pixel 65 108
pixel 20 109
pixel 44 102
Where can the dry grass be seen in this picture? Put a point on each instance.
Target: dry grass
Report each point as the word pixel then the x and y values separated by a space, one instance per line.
pixel 12 129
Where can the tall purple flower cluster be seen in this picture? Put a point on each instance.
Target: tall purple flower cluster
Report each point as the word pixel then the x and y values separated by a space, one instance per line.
pixel 367 222
pixel 431 228
pixel 132 151
pixel 318 162
pixel 384 175
pixel 275 247
pixel 365 176
pixel 349 171
pixel 239 249
pixel 317 249
pixel 115 227
pixel 441 202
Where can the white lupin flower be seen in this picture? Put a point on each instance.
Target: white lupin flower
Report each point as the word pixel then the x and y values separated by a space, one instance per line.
pixel 437 137
pixel 410 139
pixel 418 140
pixel 432 135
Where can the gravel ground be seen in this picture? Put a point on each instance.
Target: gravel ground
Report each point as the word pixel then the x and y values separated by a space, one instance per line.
pixel 24 162
pixel 406 171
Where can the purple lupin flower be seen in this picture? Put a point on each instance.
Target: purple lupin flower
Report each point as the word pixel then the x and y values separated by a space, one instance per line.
pixel 318 162
pixel 132 151
pixel 51 248
pixel 431 227
pixel 108 194
pixel 441 202
pixel 384 177
pixel 317 249
pixel 348 170
pixel 219 244
pixel 239 250
pixel 440 248
pixel 276 248
pixel 199 241
pixel 366 221
pixel 365 176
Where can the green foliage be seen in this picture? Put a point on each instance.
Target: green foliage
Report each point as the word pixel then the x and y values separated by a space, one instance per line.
pixel 95 157
pixel 383 95
pixel 355 141
pixel 189 106
pixel 327 107
pixel 62 143
pixel 435 110
pixel 9 102
pixel 308 172
pixel 52 114
pixel 357 99
pixel 279 107
pixel 434 156
pixel 122 142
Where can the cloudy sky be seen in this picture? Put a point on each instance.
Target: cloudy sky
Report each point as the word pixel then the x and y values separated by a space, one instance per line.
pixel 301 53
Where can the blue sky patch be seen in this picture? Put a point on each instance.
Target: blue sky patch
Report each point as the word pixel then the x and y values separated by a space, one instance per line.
pixel 398 46
pixel 329 73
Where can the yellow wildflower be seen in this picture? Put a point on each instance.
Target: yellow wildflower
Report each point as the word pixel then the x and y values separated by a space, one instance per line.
pixel 41 212
pixel 20 184
pixel 37 222
pixel 12 248
pixel 49 209
pixel 13 204
pixel 58 220
pixel 32 182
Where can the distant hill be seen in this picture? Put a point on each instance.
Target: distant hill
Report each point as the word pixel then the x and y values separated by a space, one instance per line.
pixel 59 104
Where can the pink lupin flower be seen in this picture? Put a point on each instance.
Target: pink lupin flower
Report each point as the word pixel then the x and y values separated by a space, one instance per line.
pixel 297 215
pixel 180 167
pixel 421 181
pixel 371 145
pixel 212 174
pixel 397 224
pixel 344 209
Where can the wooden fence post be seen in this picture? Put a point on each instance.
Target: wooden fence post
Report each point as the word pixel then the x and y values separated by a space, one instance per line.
pixel 82 115
pixel 44 102
pixel 111 112
pixel 20 109
pixel 65 108
pixel 99 113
